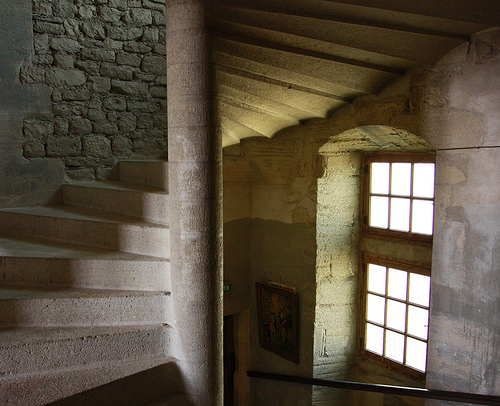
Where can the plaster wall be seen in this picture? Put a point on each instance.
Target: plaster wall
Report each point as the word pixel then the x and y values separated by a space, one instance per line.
pixel 453 108
pixel 24 181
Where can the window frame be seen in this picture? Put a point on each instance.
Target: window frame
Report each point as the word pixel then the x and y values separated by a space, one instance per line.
pixel 387 234
pixel 389 262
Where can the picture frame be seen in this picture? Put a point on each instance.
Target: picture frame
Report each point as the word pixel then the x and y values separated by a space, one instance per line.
pixel 277 313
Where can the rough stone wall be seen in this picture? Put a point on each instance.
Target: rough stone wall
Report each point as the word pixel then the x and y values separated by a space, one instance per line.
pixel 104 62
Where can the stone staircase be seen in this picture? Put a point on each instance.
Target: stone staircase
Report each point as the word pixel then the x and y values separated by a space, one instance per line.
pixel 85 295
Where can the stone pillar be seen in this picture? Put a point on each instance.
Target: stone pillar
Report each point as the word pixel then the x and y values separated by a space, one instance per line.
pixel 195 185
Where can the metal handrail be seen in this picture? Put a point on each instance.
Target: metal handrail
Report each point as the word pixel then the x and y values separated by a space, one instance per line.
pixel 474 398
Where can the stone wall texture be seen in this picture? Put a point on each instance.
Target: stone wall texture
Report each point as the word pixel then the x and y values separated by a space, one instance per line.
pixel 104 62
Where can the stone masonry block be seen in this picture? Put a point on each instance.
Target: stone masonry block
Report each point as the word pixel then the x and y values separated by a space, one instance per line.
pixel 65 44
pixel 41 42
pixel 94 29
pixel 30 74
pixel 127 122
pixel 139 16
pixel 37 130
pixel 98 146
pixel 125 58
pixel 119 4
pixel 33 149
pixel 80 126
pixel 118 72
pixel 64 77
pixel 125 33
pixel 86 11
pixel 158 91
pixel 153 5
pixel 47 27
pixel 159 49
pixel 129 87
pixel 159 18
pixel 105 127
pixel 76 95
pixel 88 66
pixel 96 115
pixel 136 47
pixel 115 103
pixel 142 106
pixel 122 146
pixel 64 146
pixel 151 35
pixel 100 85
pixel 110 15
pixel 144 77
pixel 64 61
pixel 43 59
pixel 61 126
pixel 154 64
pixel 96 54
pixel 72 26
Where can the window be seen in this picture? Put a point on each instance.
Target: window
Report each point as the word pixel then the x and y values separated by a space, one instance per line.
pixel 399 208
pixel 399 199
pixel 396 316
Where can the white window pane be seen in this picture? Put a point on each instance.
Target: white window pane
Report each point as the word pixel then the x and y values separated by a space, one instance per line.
pixel 380 178
pixel 376 278
pixel 416 354
pixel 422 216
pixel 420 289
pixel 401 179
pixel 374 338
pixel 375 309
pixel 423 180
pixel 379 212
pixel 394 346
pixel 397 283
pixel 396 315
pixel 418 322
pixel 400 214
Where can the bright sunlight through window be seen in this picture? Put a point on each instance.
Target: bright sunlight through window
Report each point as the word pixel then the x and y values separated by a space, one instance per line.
pixel 402 196
pixel 397 315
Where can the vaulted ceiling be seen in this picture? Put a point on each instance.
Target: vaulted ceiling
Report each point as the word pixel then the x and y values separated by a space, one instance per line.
pixel 280 62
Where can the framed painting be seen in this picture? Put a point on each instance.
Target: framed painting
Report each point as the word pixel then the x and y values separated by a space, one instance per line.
pixel 278 321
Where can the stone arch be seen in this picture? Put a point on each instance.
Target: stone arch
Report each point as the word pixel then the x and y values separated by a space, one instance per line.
pixel 338 238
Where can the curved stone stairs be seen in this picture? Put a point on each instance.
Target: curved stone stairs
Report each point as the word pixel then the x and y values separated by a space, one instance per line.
pixel 85 295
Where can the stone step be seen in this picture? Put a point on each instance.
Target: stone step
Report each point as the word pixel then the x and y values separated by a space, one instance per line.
pixel 23 307
pixel 87 228
pixel 30 262
pixel 162 382
pixel 32 351
pixel 148 173
pixel 39 366
pixel 144 202
pixel 62 387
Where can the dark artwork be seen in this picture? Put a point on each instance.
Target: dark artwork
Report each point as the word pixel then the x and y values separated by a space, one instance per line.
pixel 278 321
